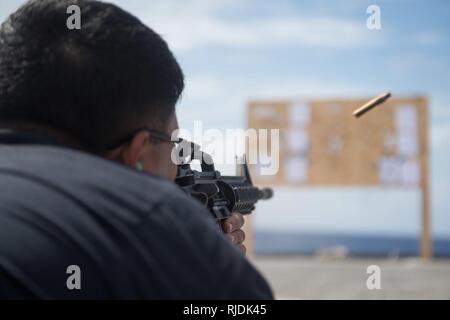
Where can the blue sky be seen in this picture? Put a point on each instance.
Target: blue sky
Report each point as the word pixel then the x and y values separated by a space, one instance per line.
pixel 234 50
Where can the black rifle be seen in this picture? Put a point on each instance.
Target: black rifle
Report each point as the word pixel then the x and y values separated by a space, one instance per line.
pixel 222 195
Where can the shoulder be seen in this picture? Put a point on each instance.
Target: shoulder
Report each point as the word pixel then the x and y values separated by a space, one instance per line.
pixel 72 169
pixel 147 226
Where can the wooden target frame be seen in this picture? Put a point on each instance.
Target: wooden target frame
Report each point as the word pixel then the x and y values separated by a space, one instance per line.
pixel 323 144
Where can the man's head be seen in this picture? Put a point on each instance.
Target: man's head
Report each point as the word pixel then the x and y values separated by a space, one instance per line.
pixel 97 85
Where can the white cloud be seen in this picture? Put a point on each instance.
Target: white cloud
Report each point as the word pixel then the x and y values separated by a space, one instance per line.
pixel 440 105
pixel 188 25
pixel 202 87
pixel 440 137
pixel 188 33
pixel 220 102
pixel 410 62
pixel 427 38
pixel 208 87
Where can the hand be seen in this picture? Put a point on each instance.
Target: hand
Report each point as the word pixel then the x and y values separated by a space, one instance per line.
pixel 232 229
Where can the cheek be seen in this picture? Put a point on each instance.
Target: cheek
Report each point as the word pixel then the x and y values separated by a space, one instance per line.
pixel 158 162
pixel 171 167
pixel 164 166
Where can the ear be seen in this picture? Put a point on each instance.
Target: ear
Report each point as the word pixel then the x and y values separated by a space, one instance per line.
pixel 131 153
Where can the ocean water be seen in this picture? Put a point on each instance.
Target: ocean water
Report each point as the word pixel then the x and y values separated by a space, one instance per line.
pixel 290 243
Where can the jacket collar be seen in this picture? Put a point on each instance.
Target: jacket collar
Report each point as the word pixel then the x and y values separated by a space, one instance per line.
pixel 13 137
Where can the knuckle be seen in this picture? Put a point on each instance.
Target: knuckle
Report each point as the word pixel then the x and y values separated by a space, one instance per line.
pixel 240 236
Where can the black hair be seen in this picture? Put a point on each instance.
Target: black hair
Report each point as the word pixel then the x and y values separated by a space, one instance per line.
pixel 96 84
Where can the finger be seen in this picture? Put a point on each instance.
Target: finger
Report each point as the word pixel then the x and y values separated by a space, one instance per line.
pixel 236 237
pixel 227 225
pixel 235 222
pixel 229 236
pixel 239 236
pixel 240 219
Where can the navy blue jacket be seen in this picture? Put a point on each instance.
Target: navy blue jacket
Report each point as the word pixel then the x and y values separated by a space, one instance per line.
pixel 133 236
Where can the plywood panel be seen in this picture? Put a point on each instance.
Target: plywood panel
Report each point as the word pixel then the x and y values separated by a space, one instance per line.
pixel 327 146
pixel 343 150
